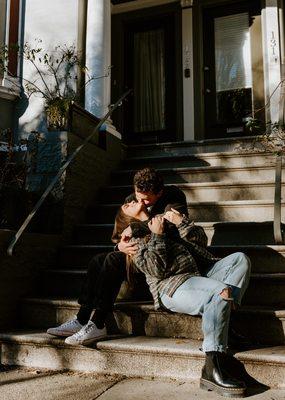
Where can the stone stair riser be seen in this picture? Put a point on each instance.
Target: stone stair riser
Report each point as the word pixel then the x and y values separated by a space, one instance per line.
pixel 264 259
pixel 260 292
pixel 246 191
pixel 254 212
pixel 207 175
pixel 235 145
pixel 139 363
pixel 267 329
pixel 219 234
pixel 111 362
pixel 200 160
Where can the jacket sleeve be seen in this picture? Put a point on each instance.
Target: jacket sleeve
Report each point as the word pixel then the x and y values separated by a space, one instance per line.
pixel 151 257
pixel 192 233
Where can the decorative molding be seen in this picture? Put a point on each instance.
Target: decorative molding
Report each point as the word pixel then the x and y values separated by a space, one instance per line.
pixel 186 3
pixel 9 89
pixel 138 4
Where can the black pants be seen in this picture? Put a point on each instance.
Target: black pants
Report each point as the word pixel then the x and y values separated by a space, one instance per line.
pixel 105 274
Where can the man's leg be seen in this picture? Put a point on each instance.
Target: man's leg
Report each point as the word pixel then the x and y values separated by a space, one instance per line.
pixel 105 274
pixel 233 270
pixel 90 290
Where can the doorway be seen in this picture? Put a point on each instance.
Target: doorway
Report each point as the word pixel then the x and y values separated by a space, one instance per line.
pixel 146 54
pixel 233 68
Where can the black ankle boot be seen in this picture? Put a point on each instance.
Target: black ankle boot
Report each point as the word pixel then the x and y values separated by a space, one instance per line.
pixel 215 377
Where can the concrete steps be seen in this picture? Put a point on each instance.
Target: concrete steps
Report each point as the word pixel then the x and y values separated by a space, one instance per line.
pixel 218 233
pixel 183 158
pixel 135 356
pixel 220 146
pixel 222 183
pixel 216 191
pixel 174 175
pixel 207 211
pixel 260 324
pixel 265 258
pixel 264 289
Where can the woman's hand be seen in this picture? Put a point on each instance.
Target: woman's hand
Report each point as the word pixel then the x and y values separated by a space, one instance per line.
pixel 173 216
pixel 156 225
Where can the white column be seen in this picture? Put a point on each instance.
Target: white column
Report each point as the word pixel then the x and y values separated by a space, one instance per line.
pixel 187 73
pixel 272 58
pixel 98 56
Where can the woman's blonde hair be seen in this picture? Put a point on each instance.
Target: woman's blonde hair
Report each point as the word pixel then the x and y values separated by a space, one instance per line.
pixel 122 221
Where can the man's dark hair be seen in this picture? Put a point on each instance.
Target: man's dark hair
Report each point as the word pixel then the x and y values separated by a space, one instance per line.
pixel 148 180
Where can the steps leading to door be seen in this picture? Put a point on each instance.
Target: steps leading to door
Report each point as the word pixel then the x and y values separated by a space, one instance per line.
pixel 260 324
pixel 225 145
pixel 222 183
pixel 207 211
pixel 139 356
pixel 174 175
pixel 201 191
pixel 264 258
pixel 217 232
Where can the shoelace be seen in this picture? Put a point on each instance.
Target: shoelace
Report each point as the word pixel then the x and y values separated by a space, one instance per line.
pixel 83 331
pixel 69 323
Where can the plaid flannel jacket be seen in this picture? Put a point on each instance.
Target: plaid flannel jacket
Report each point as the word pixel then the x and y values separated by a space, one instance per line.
pixel 167 263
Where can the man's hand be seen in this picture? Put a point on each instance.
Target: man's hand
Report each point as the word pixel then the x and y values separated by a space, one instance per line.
pixel 156 225
pixel 125 247
pixel 173 216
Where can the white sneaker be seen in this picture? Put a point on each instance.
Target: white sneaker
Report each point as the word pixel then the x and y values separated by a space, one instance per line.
pixel 66 329
pixel 88 334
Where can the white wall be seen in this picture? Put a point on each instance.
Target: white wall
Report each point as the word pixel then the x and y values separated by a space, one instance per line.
pixel 55 23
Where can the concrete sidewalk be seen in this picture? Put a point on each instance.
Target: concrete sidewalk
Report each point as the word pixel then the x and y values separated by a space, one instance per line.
pixel 31 384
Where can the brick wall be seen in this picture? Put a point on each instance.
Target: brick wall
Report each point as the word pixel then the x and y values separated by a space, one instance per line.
pixel 20 273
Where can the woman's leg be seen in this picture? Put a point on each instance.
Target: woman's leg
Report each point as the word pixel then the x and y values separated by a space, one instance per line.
pixel 233 270
pixel 201 296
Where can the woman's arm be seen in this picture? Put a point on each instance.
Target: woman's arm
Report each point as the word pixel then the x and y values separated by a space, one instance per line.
pixel 187 229
pixel 151 257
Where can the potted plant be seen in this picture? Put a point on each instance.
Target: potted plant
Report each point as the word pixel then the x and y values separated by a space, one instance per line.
pixel 57 77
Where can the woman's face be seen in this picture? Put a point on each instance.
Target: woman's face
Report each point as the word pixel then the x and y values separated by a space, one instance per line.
pixel 133 209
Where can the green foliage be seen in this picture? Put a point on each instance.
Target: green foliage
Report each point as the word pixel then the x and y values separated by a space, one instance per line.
pixel 254 126
pixel 54 78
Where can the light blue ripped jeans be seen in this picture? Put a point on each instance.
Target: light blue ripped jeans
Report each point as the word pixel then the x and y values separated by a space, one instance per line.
pixel 200 295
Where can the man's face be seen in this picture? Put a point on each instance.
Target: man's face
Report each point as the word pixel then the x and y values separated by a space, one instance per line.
pixel 147 198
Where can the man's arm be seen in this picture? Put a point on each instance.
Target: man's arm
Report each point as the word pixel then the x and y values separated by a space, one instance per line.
pixel 172 197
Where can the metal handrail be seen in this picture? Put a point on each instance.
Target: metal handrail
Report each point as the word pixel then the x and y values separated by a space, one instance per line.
pixel 61 171
pixel 277 223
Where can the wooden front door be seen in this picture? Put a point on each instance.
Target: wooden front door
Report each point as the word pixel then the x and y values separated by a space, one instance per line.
pixel 149 62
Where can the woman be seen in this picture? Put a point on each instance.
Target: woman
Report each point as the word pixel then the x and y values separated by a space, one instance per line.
pixel 184 277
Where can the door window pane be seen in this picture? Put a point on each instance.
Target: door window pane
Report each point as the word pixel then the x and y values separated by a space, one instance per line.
pixel 149 81
pixel 233 68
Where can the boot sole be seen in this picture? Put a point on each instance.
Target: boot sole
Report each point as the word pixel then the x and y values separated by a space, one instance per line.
pixel 207 385
pixel 61 334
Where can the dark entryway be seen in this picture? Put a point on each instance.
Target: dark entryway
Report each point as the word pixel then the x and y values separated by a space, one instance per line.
pixel 233 68
pixel 146 56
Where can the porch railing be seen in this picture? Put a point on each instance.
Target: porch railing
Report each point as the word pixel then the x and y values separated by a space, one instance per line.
pixel 19 233
pixel 277 222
